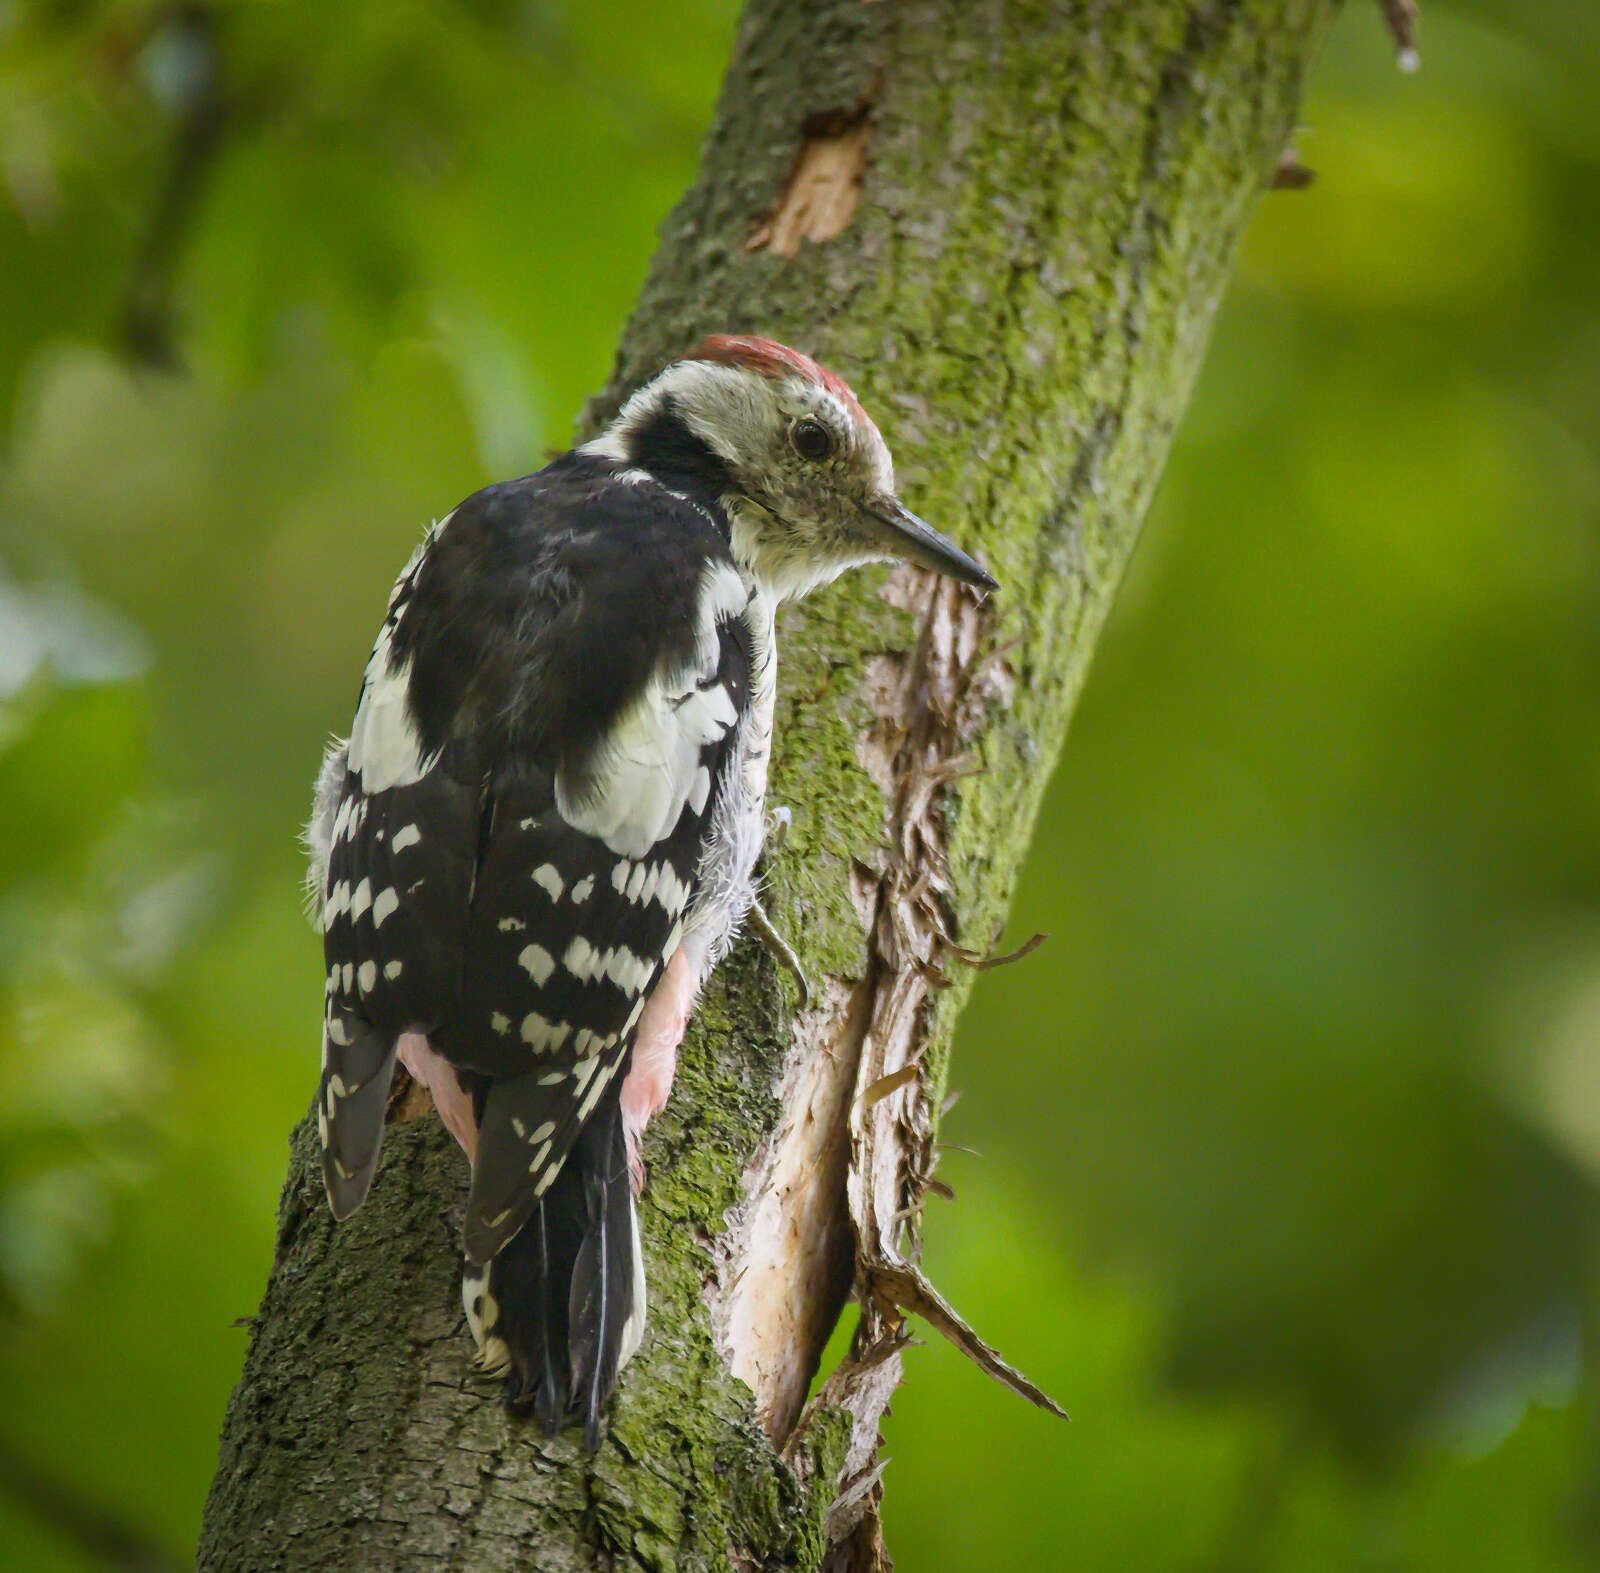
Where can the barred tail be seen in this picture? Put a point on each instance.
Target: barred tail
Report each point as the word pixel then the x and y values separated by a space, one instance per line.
pixel 560 1309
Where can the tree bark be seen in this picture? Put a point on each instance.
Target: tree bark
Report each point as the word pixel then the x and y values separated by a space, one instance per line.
pixel 1008 225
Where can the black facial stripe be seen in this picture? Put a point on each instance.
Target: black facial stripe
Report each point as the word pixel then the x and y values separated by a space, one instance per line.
pixel 666 447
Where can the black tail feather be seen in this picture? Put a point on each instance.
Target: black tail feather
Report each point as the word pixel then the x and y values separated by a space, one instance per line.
pixel 550 1396
pixel 564 1289
pixel 602 1285
pixel 351 1103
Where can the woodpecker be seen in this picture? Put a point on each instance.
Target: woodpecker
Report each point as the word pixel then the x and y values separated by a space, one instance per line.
pixel 540 836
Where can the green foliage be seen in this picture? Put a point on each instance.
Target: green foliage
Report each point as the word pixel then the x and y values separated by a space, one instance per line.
pixel 1291 1130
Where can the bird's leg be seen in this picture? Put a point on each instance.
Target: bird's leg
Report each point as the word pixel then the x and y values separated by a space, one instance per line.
pixel 438 1075
pixel 655 1057
pixel 781 951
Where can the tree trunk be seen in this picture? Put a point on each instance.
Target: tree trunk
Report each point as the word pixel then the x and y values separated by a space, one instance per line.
pixel 1008 225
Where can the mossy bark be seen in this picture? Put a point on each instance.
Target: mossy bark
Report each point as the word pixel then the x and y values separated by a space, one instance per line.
pixel 1049 204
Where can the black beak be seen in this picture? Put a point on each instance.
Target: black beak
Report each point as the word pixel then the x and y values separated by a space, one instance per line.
pixel 902 534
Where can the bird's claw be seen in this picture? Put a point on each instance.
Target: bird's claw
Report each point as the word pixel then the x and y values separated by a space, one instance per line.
pixel 780 950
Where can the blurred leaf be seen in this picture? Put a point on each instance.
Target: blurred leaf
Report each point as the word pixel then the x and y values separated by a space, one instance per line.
pixel 73 756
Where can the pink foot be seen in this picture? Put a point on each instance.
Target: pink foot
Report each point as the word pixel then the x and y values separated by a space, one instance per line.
pixel 655 1057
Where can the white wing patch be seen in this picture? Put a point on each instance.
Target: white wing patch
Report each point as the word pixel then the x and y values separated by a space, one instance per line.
pixel 650 767
pixel 629 972
pixel 384 745
pixel 543 1035
pixel 538 963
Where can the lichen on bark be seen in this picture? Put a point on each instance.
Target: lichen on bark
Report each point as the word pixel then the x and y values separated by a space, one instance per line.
pixel 1050 202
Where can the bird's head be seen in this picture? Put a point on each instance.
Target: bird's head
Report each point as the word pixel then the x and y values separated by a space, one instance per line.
pixel 787 450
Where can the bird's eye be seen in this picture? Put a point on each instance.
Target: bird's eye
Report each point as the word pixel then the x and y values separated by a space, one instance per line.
pixel 811 439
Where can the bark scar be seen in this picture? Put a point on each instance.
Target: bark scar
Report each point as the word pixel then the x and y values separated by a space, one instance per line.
pixel 820 195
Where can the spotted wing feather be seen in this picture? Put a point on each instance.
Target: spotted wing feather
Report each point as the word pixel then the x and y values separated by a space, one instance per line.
pixel 566 940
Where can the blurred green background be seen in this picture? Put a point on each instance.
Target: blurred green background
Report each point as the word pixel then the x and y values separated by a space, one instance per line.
pixel 1290 1133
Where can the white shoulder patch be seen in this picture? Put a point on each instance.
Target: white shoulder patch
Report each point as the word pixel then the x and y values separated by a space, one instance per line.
pixel 384 745
pixel 649 767
pixel 724 594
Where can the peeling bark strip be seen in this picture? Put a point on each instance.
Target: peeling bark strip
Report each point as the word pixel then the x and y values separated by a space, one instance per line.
pixel 1021 296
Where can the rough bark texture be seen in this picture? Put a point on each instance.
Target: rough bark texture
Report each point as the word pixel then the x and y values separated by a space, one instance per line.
pixel 1008 224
